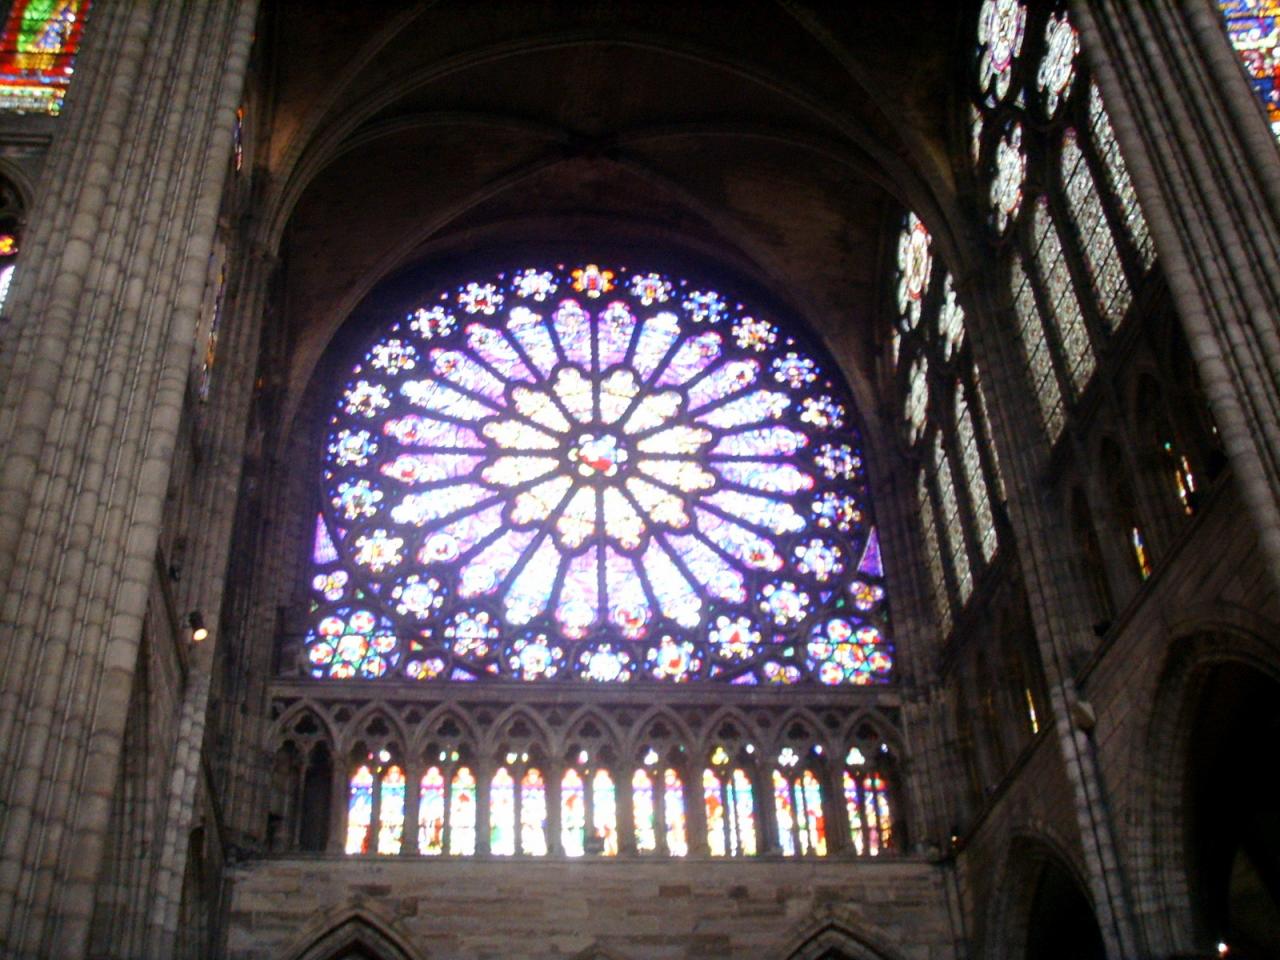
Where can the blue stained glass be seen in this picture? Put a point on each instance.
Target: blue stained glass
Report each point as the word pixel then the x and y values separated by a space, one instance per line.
pixel 623 485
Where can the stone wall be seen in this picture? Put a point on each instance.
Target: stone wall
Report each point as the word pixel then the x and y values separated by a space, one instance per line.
pixel 473 910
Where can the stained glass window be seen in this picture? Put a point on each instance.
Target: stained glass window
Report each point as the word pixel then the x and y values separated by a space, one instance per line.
pixel 730 808
pixel 462 813
pixel 866 798
pixel 933 554
pixel 591 474
pixel 915 263
pixel 8 256
pixel 573 814
pixel 360 811
pixel 1104 140
pixel 643 806
pixel 977 122
pixel 973 477
pixel 391 812
pixel 1001 27
pixel 38 52
pixel 802 826
pixel 1254 29
pixel 1097 245
pixel 951 524
pixel 1058 65
pixel 673 813
pixel 980 392
pixel 1060 294
pixel 210 354
pixel 950 319
pixel 502 814
pixel 604 813
pixel 917 405
pixel 431 807
pixel 1036 349
pixel 1010 173
pixel 533 814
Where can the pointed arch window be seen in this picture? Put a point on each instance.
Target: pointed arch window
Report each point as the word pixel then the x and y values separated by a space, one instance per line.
pixel 1091 228
pixel 376 805
pixel 957 551
pixel 727 793
pixel 1097 244
pixel 462 812
pixel 360 810
pixel 533 813
pixel 502 814
pixel 644 805
pixel 933 553
pixel 797 792
pixel 867 805
pixel 391 814
pixel 1060 296
pixel 1035 348
pixel 975 481
pixel 432 794
pixel 1108 149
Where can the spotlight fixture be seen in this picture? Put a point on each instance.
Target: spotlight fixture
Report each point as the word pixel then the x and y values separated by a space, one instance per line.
pixel 198 630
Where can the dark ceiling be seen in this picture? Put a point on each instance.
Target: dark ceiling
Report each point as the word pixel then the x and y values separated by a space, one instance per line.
pixel 766 144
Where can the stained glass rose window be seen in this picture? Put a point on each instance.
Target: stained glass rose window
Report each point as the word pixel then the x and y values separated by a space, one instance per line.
pixel 594 474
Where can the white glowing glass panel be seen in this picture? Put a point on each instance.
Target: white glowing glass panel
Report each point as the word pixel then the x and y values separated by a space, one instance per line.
pixel 1097 245
pixel 974 479
pixel 933 554
pixel 1035 348
pixel 1060 294
pixel 1104 141
pixel 952 525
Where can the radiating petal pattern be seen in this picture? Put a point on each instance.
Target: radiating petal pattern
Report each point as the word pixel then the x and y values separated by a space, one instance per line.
pixel 646 486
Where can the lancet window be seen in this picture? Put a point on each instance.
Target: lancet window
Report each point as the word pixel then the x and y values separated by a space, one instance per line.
pixel 1078 248
pixel 527 793
pixel 935 373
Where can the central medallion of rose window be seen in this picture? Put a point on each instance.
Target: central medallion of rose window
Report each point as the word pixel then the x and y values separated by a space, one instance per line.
pixel 599 456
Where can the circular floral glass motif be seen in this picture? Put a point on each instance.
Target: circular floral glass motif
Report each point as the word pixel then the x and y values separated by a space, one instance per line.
pixel 594 474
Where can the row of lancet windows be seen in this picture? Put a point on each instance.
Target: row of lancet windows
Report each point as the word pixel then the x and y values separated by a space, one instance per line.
pixel 1066 226
pixel 528 808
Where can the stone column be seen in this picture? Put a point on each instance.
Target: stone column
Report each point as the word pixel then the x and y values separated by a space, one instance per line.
pixel 1207 172
pixel 1054 589
pixel 104 320
pixel 215 502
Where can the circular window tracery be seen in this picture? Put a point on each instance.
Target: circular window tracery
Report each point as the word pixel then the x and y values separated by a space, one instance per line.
pixel 595 474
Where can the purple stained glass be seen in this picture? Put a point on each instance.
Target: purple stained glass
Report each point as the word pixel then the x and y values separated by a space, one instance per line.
pixel 870 563
pixel 323 550
pixel 593 474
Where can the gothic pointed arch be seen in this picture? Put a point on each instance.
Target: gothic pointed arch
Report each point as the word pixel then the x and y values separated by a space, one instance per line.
pixel 357 933
pixel 1043 909
pixel 1208 833
pixel 838 935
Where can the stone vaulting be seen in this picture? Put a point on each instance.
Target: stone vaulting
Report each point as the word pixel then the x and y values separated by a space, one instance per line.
pixel 1072 752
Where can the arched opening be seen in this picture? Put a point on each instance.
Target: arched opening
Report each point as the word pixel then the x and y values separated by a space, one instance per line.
pixel 1061 925
pixel 1233 823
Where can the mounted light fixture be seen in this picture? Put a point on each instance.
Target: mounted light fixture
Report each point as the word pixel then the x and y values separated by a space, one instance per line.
pixel 198 630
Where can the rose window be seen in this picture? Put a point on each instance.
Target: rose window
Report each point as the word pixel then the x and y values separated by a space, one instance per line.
pixel 596 475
